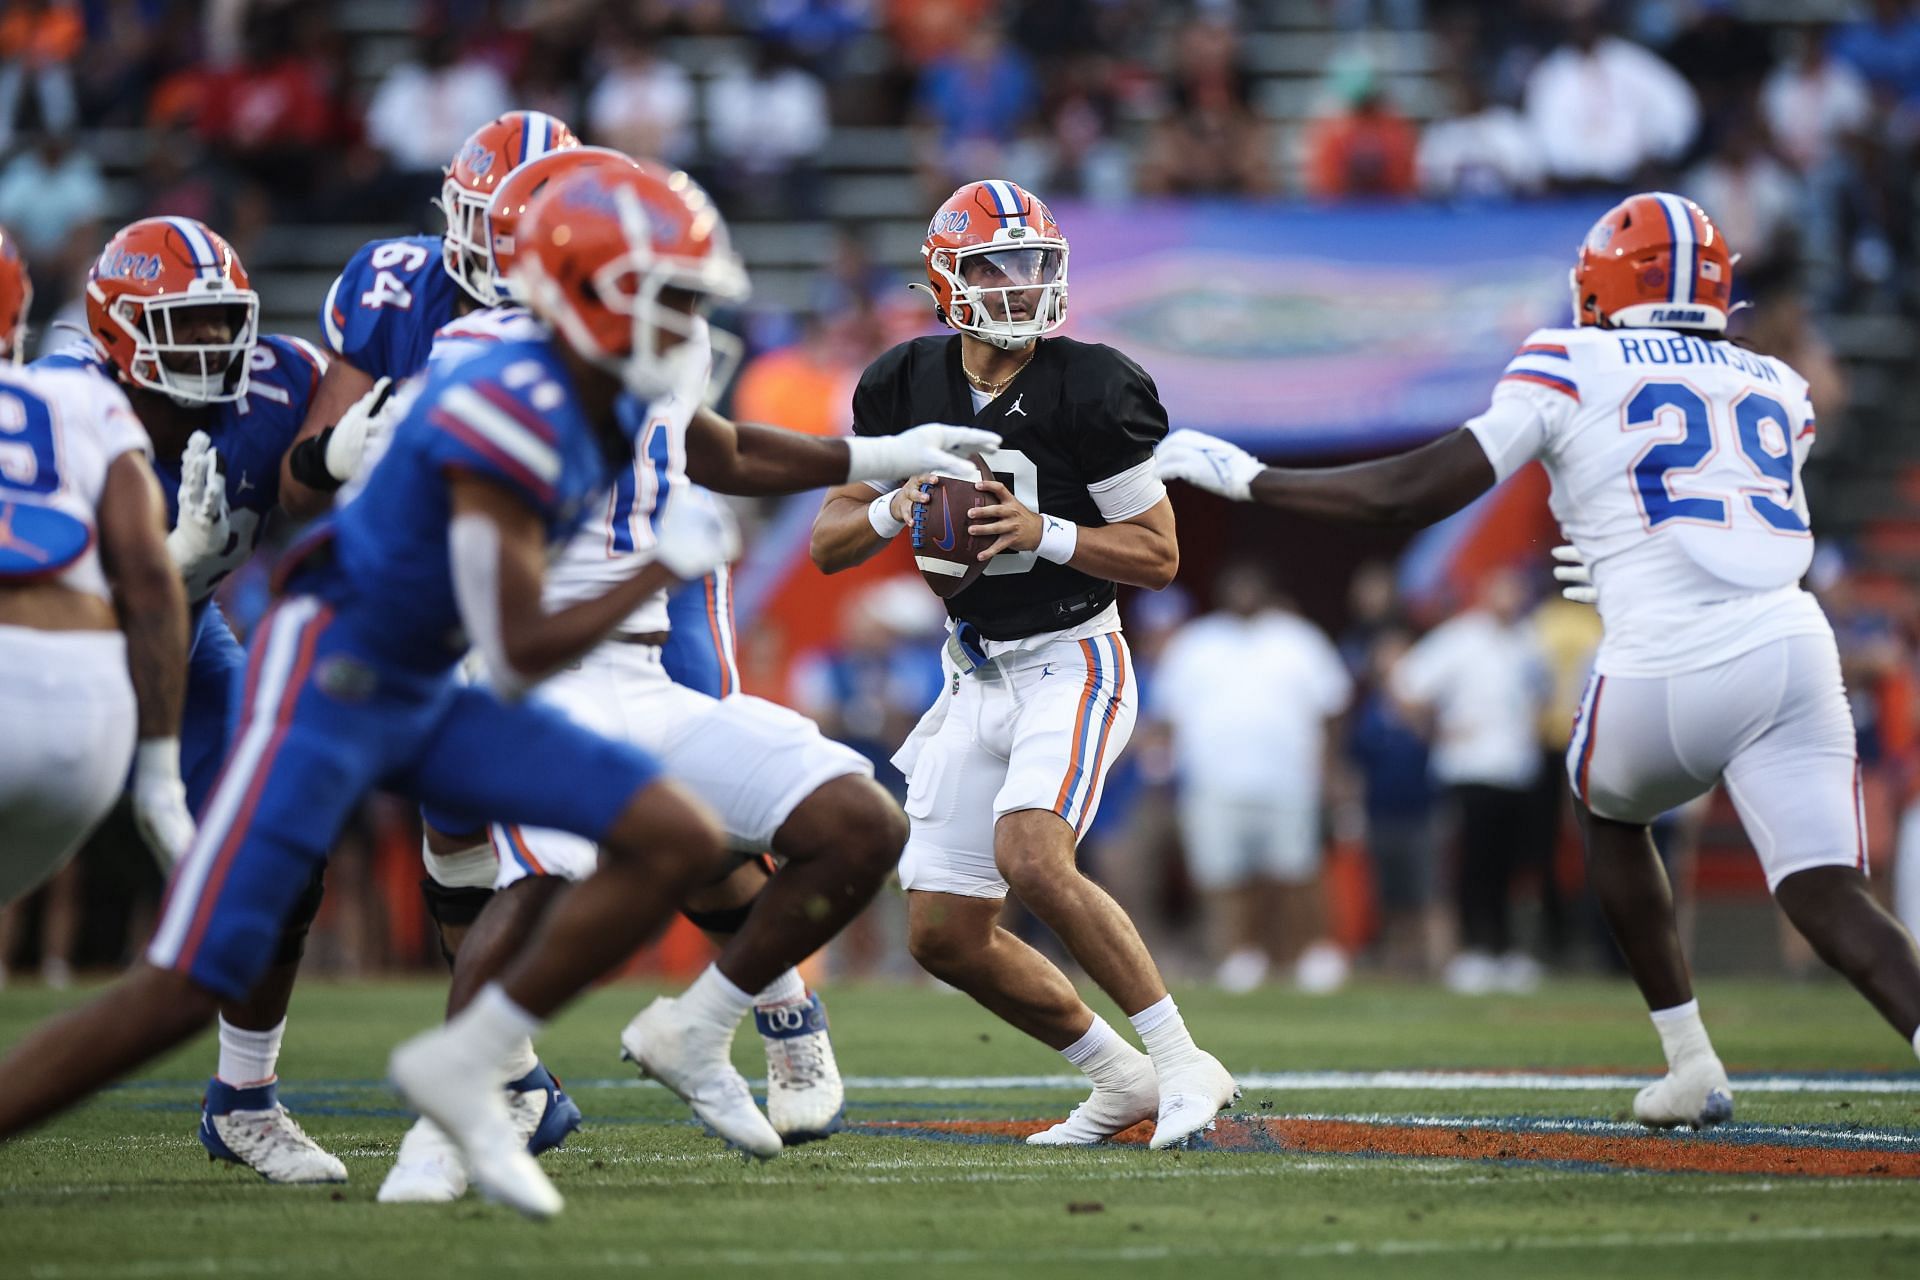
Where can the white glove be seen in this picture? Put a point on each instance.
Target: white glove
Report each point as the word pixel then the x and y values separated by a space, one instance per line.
pixel 932 446
pixel 1575 578
pixel 697 534
pixel 160 801
pixel 1207 462
pixel 202 530
pixel 348 442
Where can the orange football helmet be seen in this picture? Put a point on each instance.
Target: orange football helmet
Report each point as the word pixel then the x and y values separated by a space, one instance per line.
pixel 156 299
pixel 512 197
pixel 1654 261
pixel 16 299
pixel 485 159
pixel 596 251
pixel 990 249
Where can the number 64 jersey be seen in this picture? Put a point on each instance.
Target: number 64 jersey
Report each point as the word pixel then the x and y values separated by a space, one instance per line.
pixel 1675 463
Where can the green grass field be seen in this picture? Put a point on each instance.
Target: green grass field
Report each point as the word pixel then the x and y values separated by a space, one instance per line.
pixel 122 1189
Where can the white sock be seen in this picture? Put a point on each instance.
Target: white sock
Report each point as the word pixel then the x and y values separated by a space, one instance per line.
pixel 1164 1033
pixel 1682 1034
pixel 1916 1042
pixel 521 1060
pixel 249 1057
pixel 1102 1055
pixel 788 988
pixel 495 1027
pixel 715 1001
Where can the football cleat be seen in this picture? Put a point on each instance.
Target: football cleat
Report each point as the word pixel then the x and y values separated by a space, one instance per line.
pixel 250 1127
pixel 1695 1094
pixel 1190 1098
pixel 461 1093
pixel 1107 1111
pixel 666 1047
pixel 805 1099
pixel 543 1115
pixel 429 1169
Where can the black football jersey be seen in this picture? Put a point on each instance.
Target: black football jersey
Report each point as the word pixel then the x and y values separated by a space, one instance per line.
pixel 1077 414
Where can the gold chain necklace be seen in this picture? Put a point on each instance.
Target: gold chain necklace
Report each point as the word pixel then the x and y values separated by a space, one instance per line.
pixel 995 388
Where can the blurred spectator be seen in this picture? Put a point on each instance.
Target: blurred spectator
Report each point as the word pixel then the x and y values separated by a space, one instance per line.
pixel 766 123
pixel 426 107
pixel 274 116
pixel 972 103
pixel 1398 798
pixel 807 386
pixel 39 40
pixel 1608 111
pixel 851 279
pixel 1778 324
pixel 1485 150
pixel 927 30
pixel 59 903
pixel 1814 102
pixel 1569 635
pixel 819 31
pixel 1364 150
pixel 1722 56
pixel 643 105
pixel 52 197
pixel 1751 196
pixel 1884 46
pixel 1070 152
pixel 1210 141
pixel 1251 753
pixel 1373 608
pixel 1476 684
pixel 550 79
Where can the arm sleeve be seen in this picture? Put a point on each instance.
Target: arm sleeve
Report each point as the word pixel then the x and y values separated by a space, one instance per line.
pixel 1126 495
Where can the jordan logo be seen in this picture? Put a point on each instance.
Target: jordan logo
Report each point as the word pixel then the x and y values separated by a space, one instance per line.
pixel 1046 670
pixel 1015 406
pixel 244 485
pixel 10 542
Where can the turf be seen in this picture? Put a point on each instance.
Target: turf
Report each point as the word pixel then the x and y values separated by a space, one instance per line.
pixel 121 1188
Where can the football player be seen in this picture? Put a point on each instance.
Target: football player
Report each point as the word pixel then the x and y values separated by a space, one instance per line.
pixel 93 621
pixel 1005 771
pixel 1675 457
pixel 172 319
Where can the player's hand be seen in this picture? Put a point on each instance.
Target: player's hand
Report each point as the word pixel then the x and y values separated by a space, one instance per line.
pixel 932 446
pixel 697 534
pixel 347 441
pixel 1207 462
pixel 1001 516
pixel 1576 580
pixel 202 529
pixel 160 801
pixel 911 493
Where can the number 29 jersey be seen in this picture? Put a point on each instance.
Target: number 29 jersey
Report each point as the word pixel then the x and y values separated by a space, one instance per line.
pixel 1675 463
pixel 1077 428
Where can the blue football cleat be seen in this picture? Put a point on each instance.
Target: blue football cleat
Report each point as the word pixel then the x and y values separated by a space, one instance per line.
pixel 249 1127
pixel 541 1110
pixel 805 1099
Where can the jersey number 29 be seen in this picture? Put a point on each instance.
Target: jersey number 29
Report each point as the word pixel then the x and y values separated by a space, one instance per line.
pixel 1760 431
pixel 29 461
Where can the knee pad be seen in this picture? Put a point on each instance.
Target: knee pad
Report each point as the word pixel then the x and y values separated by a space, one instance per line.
pixel 728 920
pixel 293 934
pixel 456 905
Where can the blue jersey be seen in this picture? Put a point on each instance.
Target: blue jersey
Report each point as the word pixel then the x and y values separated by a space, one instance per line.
pixel 251 435
pixel 509 415
pixel 382 311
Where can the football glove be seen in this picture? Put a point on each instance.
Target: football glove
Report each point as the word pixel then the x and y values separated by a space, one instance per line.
pixel 160 801
pixel 1207 462
pixel 202 529
pixel 1576 580
pixel 347 441
pixel 932 446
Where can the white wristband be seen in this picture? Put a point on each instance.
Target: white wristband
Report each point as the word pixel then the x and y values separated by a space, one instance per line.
pixel 880 516
pixel 1058 538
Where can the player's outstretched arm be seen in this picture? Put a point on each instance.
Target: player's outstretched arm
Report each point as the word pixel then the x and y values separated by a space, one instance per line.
pixel 855 522
pixel 499 554
pixel 753 461
pixel 152 605
pixel 1413 488
pixel 307 483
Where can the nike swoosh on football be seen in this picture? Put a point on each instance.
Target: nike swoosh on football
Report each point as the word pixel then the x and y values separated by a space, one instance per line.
pixel 945 541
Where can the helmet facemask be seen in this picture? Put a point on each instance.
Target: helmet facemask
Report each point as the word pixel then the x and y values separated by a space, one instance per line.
pixel 464 249
pixel 190 373
pixel 1006 292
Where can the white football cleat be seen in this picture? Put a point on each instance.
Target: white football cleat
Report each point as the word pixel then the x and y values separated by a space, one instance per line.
pixel 1190 1098
pixel 429 1169
pixel 805 1098
pixel 248 1126
pixel 1107 1111
pixel 463 1094
pixel 669 1048
pixel 1695 1094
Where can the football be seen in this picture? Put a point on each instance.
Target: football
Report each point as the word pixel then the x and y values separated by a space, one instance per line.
pixel 948 556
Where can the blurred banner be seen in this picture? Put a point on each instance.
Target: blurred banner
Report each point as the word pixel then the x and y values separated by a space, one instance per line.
pixel 1299 331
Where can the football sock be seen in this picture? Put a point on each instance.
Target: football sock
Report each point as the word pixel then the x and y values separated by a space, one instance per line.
pixel 521 1059
pixel 1916 1042
pixel 715 1002
pixel 1164 1033
pixel 1106 1059
pixel 494 1028
pixel 249 1057
pixel 1682 1034
pixel 785 989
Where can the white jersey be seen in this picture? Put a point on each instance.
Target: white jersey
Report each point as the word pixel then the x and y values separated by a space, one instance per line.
pixel 60 430
pixel 1675 463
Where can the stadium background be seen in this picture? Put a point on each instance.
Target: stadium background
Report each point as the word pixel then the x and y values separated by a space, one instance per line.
pixel 1322 224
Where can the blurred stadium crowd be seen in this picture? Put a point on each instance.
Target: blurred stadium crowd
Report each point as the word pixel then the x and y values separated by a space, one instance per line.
pixel 827 128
